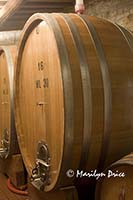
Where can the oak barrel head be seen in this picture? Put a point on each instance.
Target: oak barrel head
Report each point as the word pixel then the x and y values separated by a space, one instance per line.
pixel 8 139
pixel 73 96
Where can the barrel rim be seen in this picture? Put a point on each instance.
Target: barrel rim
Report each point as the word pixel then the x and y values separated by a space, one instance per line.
pixel 32 22
pixel 10 73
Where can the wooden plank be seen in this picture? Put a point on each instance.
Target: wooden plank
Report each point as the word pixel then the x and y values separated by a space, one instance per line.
pixel 15 7
pixel 51 1
pixel 29 12
pixel 46 4
pixel 12 26
pixel 10 7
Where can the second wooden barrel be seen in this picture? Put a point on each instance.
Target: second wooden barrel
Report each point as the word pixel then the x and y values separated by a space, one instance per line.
pixel 118 183
pixel 8 138
pixel 73 97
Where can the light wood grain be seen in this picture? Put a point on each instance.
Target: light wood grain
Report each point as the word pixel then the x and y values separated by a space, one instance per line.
pixel 117 188
pixel 7 124
pixel 10 8
pixel 84 111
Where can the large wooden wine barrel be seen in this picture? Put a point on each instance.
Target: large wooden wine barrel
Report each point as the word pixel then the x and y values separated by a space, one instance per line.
pixel 117 187
pixel 8 138
pixel 73 96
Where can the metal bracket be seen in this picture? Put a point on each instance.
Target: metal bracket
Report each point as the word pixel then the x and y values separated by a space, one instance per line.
pixel 40 174
pixel 4 150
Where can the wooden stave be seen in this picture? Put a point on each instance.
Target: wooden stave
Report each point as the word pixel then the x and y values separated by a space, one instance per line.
pixel 126 163
pixel 105 138
pixel 10 53
pixel 76 132
pixel 79 23
pixel 104 163
pixel 27 25
pixel 106 90
pixel 86 87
